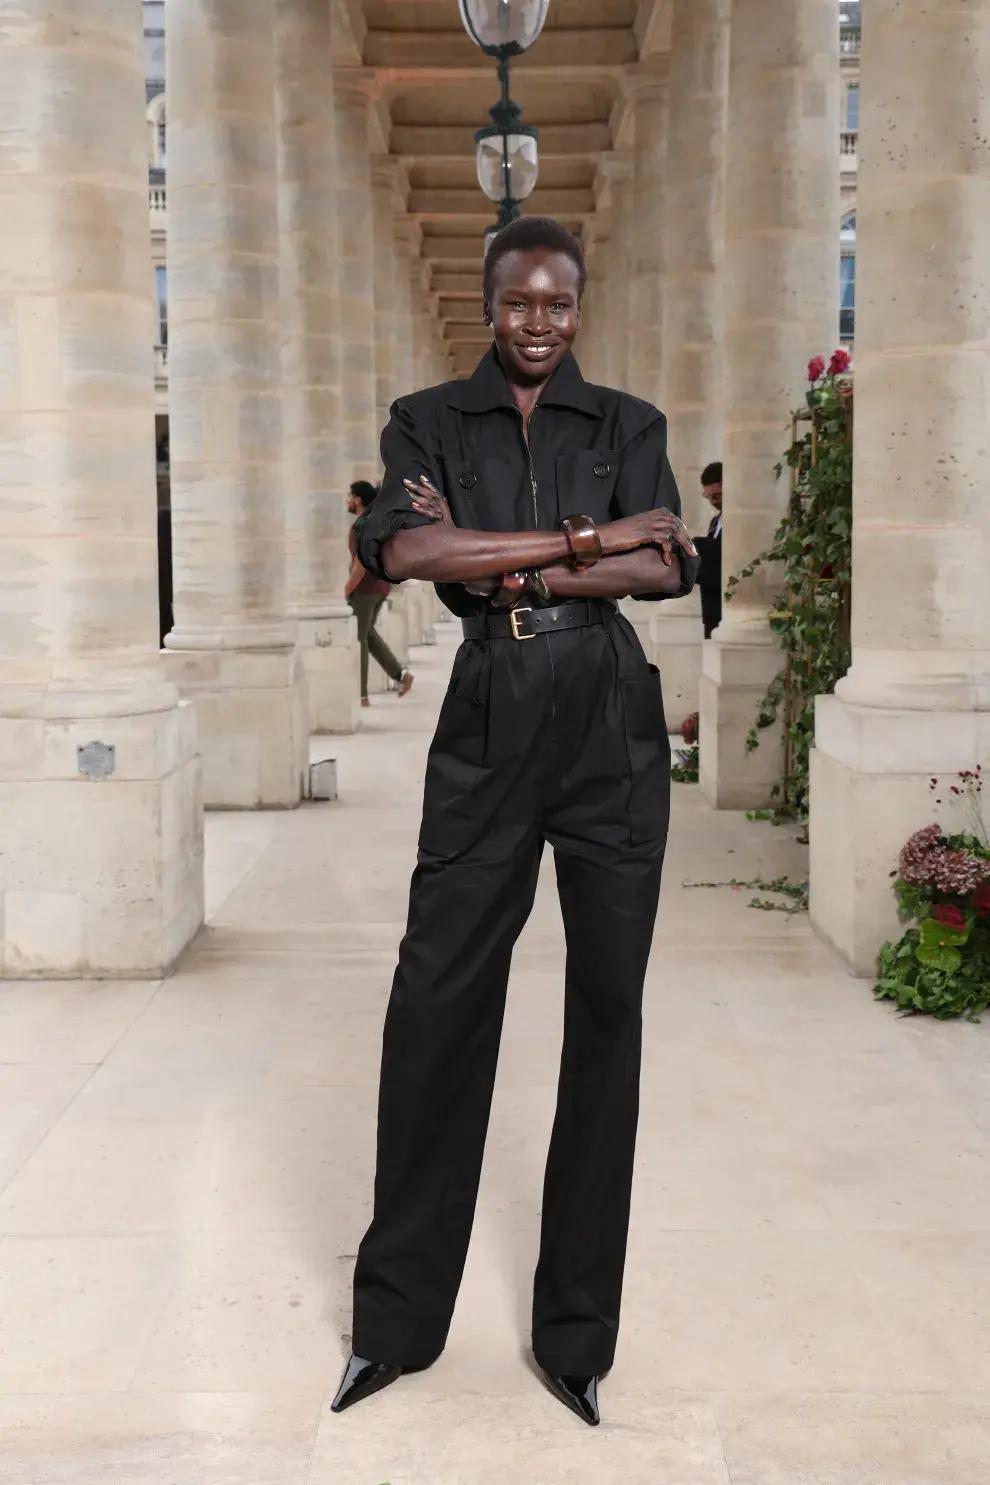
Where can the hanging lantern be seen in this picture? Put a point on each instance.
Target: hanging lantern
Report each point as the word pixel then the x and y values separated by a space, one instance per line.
pixel 503 27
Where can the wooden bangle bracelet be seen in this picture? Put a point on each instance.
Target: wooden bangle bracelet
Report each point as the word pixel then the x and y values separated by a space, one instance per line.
pixel 583 540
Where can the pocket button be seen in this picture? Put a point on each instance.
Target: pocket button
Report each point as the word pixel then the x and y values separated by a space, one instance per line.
pixel 601 470
pixel 467 480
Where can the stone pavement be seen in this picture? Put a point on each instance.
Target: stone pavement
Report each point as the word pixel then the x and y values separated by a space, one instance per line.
pixel 185 1171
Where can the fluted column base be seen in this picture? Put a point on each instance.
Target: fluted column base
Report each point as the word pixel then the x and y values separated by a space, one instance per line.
pixel 253 724
pixel 737 666
pixel 100 877
pixel 870 776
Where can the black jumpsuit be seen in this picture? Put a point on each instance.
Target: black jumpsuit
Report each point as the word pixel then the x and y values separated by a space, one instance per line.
pixel 557 738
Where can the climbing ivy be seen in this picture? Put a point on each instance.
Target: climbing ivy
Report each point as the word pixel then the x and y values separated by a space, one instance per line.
pixel 813 548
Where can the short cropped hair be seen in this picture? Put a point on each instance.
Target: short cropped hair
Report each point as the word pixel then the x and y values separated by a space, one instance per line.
pixel 533 232
pixel 364 491
pixel 712 473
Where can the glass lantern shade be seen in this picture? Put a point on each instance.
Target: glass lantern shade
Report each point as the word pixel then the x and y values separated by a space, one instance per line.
pixel 508 165
pixel 503 26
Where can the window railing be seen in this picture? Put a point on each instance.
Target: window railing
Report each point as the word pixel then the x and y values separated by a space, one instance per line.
pixel 157 198
pixel 161 363
pixel 849 37
pixel 850 142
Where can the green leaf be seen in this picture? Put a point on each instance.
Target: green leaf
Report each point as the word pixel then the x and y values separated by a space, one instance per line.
pixel 936 935
pixel 934 957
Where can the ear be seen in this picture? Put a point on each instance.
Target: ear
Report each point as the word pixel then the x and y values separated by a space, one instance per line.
pixel 486 314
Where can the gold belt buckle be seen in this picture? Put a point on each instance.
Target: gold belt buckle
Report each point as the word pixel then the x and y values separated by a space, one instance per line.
pixel 514 623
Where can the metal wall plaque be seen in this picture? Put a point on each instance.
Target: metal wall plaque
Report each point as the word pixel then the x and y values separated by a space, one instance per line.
pixel 97 760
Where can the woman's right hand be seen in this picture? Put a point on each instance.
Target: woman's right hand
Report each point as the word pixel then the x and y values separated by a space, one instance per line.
pixel 651 528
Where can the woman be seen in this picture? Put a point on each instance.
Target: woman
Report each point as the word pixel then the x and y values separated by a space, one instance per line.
pixel 533 501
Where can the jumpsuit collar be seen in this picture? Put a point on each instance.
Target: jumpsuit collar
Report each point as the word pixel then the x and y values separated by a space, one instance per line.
pixel 487 389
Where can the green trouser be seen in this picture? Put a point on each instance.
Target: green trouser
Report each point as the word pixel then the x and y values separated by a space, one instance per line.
pixel 366 610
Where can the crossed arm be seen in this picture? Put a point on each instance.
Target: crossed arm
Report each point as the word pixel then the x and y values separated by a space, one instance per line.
pixel 638 553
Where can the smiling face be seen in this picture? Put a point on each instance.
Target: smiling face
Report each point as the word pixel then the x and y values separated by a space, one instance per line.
pixel 534 312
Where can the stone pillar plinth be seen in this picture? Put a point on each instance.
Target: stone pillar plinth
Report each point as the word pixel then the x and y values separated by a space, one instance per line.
pixel 317 556
pixel 233 645
pixel 781 307
pixel 916 702
pixel 101 861
pixel 355 281
pixel 691 379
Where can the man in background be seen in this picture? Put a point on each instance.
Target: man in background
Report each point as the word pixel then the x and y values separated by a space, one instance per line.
pixel 710 547
pixel 366 594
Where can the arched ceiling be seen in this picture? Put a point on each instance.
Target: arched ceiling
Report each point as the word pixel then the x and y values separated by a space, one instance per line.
pixel 433 88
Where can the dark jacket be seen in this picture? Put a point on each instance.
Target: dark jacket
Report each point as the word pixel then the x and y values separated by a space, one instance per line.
pixel 592 451
pixel 710 576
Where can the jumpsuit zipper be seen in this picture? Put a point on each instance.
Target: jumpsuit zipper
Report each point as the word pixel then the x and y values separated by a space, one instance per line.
pixel 536 527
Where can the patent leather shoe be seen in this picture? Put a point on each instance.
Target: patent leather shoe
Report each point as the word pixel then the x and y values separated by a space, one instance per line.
pixel 363 1379
pixel 580 1394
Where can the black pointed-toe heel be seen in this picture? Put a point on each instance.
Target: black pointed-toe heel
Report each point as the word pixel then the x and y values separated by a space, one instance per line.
pixel 580 1394
pixel 363 1379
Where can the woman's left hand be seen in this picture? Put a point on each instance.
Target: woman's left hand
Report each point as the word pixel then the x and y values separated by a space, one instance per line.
pixel 427 501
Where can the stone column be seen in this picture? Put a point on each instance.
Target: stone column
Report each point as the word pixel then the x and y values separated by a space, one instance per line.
pixel 384 193
pixel 916 702
pixel 317 556
pixel 691 381
pixel 646 84
pixel 356 280
pixel 408 235
pixel 232 647
pixel 101 863
pixel 782 283
pixel 592 337
pixel 619 272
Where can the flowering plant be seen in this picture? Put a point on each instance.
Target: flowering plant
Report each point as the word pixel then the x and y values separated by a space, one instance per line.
pixel 812 553
pixel 941 965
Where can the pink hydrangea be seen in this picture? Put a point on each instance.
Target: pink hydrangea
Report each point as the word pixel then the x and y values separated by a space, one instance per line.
pixel 916 856
pixel 956 873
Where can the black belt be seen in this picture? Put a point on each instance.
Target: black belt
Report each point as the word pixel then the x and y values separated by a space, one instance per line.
pixel 527 623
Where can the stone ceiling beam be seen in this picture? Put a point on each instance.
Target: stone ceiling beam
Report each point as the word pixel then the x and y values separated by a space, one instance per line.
pixel 454 285
pixel 422 53
pixel 468 203
pixel 422 143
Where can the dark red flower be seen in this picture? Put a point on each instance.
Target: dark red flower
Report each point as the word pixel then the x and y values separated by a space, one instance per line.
pixel 689 729
pixel 840 363
pixel 949 915
pixel 981 899
pixel 816 368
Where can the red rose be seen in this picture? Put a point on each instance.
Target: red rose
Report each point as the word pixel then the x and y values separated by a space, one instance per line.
pixel 840 362
pixel 816 368
pixel 689 729
pixel 949 915
pixel 981 899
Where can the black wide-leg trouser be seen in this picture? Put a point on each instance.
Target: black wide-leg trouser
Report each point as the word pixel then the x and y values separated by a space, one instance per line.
pixel 562 739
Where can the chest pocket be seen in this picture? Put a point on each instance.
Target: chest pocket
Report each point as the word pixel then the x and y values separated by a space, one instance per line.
pixel 482 495
pixel 586 483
